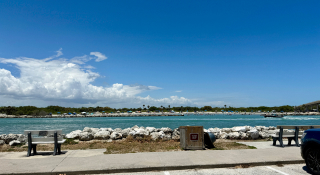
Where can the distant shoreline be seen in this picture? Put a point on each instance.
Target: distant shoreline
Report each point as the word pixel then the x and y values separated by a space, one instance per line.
pixel 145 114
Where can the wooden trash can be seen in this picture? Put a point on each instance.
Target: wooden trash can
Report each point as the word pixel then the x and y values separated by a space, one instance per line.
pixel 191 137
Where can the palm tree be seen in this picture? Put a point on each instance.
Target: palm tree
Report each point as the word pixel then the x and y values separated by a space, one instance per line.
pixel 148 107
pixel 143 106
pixel 169 107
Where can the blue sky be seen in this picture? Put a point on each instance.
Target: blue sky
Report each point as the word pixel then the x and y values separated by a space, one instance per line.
pixel 129 53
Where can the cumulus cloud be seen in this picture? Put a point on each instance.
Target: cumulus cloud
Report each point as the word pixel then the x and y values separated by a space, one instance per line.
pixel 100 56
pixel 60 79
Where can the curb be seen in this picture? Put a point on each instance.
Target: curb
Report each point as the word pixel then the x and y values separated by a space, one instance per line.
pixel 167 168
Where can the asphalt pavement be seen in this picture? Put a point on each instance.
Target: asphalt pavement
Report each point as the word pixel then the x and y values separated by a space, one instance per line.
pixel 294 169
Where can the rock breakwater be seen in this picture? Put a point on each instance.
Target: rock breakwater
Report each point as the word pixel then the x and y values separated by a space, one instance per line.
pixel 165 133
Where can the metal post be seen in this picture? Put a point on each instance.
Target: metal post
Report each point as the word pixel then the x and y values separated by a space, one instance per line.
pixel 55 143
pixel 29 144
pixel 296 134
pixel 280 137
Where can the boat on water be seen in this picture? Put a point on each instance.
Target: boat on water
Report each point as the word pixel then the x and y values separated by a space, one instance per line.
pixel 273 115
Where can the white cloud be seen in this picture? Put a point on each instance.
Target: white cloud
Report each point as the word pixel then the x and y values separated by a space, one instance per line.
pixel 89 67
pixel 179 91
pixel 61 80
pixel 59 53
pixel 99 55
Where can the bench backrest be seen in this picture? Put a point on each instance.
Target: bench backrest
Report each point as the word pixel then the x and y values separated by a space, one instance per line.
pixel 302 127
pixel 42 132
pixel 286 133
pixel 48 139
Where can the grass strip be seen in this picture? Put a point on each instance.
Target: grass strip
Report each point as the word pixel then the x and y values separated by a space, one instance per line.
pixel 128 145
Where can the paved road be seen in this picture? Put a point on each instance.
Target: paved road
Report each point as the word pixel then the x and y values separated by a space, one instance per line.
pixel 295 169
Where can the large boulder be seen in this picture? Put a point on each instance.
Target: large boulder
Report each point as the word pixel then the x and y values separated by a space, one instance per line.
pixel 166 130
pixel 226 130
pixel 3 136
pixel 141 127
pixel 261 128
pixel 248 128
pixel 102 135
pixel 214 130
pixel 223 135
pixel 139 133
pixel 125 132
pixel 10 137
pixel 176 131
pixel 2 142
pixel 94 130
pixel 258 128
pixel 238 129
pixel 151 129
pixel 157 135
pixel 14 143
pixel 142 132
pixel 117 130
pixel 86 136
pixel 74 134
pixel 167 136
pixel 22 138
pixel 234 135
pixel 254 134
pixel 264 134
pixel 272 128
pixel 106 129
pixel 176 134
pixel 116 136
pixel 91 130
pixel 243 136
pixel 87 129
pixel 135 127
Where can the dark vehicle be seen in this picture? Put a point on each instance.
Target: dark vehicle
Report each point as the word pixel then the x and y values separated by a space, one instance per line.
pixel 310 149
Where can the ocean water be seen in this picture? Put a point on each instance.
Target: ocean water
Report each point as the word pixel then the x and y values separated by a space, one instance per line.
pixel 18 125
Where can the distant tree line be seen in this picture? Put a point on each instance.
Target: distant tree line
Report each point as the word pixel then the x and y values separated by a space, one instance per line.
pixel 37 111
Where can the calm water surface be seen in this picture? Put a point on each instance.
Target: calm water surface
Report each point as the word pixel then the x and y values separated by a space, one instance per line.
pixel 18 125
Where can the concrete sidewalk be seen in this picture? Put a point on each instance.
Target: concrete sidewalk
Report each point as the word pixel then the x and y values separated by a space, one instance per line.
pixel 94 161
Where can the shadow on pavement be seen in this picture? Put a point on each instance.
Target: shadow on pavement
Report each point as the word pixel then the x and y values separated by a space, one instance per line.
pixel 305 168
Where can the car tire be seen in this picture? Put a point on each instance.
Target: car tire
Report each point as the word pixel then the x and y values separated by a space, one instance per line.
pixel 312 160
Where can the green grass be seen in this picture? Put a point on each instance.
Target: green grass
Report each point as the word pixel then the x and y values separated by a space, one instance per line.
pixel 252 147
pixel 70 142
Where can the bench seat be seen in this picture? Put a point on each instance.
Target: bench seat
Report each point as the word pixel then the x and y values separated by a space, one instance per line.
pixel 51 142
pixel 277 135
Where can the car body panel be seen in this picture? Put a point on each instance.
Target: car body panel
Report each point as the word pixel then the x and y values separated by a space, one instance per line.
pixel 311 139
